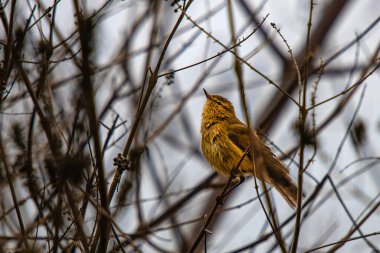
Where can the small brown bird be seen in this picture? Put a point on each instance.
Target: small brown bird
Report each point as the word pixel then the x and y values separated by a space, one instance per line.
pixel 224 140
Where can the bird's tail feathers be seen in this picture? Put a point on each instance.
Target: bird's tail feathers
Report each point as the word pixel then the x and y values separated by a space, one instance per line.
pixel 273 171
pixel 288 190
pixel 278 176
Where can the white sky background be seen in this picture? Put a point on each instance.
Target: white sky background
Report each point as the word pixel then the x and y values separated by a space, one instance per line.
pixel 241 226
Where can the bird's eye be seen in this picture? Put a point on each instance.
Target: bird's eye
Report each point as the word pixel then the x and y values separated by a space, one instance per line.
pixel 218 102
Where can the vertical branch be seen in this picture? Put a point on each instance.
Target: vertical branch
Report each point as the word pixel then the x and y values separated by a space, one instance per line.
pixel 237 65
pixel 77 217
pixel 13 193
pixel 302 131
pixel 271 218
pixel 87 88
pixel 302 128
pixel 7 65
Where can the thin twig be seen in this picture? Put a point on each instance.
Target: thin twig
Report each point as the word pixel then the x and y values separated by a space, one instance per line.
pixel 218 201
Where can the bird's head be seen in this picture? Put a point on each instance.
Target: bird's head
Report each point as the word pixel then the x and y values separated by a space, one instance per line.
pixel 217 106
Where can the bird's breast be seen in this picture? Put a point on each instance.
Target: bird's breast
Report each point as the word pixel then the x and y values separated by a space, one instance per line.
pixel 215 148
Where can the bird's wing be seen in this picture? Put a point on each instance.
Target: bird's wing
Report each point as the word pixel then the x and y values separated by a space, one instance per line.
pixel 269 168
pixel 239 134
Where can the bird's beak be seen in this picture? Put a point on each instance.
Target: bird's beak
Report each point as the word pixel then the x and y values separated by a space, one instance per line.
pixel 208 96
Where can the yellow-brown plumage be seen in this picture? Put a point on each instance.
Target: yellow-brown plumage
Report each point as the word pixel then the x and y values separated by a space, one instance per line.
pixel 224 139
